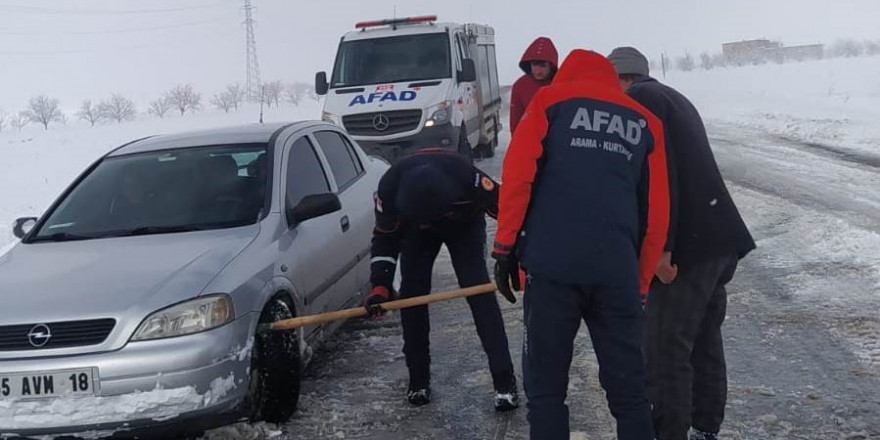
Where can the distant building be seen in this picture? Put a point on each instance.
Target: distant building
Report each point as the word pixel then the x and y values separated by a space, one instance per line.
pixel 748 50
pixel 762 50
pixel 803 52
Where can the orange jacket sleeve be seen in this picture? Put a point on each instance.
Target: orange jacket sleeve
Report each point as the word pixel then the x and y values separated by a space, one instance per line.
pixel 658 208
pixel 518 173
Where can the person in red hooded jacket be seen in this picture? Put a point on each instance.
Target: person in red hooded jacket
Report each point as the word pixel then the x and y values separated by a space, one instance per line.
pixel 539 64
pixel 584 205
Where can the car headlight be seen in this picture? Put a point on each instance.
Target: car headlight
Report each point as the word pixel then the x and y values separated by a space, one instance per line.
pixel 194 316
pixel 440 114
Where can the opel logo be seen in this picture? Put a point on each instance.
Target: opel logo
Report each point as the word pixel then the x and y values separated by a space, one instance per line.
pixel 381 122
pixel 39 335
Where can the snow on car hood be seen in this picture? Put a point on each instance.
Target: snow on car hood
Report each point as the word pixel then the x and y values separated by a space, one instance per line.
pixel 112 277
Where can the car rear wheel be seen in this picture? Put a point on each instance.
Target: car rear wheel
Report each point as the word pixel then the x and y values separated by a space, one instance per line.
pixel 275 368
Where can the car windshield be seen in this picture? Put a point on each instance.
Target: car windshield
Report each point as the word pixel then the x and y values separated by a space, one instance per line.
pixel 164 191
pixel 392 59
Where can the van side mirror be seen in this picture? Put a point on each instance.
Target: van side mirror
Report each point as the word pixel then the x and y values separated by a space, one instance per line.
pixel 468 72
pixel 321 84
pixel 23 226
pixel 312 206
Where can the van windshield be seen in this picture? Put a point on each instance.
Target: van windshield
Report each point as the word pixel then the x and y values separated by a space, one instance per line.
pixel 392 59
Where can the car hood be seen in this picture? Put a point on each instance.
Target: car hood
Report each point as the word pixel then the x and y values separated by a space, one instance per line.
pixel 112 277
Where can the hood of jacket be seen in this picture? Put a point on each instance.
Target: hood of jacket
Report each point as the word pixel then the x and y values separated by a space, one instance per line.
pixel 587 65
pixel 542 49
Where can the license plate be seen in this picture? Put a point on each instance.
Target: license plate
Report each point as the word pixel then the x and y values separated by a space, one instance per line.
pixel 35 385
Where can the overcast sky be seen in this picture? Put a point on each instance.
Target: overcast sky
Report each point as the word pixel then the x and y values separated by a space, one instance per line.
pixel 77 49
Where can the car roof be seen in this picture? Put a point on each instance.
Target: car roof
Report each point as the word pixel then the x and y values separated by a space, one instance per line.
pixel 240 134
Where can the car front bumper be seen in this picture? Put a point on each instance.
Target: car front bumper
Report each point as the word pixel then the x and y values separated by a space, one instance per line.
pixel 145 384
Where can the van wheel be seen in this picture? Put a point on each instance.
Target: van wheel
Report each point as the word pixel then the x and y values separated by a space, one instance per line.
pixel 464 146
pixel 276 369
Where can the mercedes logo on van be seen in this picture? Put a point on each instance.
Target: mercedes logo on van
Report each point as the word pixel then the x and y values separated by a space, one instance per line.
pixel 381 122
pixel 39 335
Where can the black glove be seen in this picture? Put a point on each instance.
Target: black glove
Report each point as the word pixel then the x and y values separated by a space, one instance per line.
pixel 507 275
pixel 373 301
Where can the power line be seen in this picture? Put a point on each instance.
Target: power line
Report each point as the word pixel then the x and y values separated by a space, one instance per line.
pixel 42 10
pixel 175 43
pixel 116 31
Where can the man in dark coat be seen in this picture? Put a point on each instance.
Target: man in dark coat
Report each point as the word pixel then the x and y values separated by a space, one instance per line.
pixel 539 63
pixel 687 376
pixel 431 198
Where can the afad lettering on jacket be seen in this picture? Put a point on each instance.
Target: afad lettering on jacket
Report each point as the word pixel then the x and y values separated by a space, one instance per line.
pixel 406 95
pixel 599 121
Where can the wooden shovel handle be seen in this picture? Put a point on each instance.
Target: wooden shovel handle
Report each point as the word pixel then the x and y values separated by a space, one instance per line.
pixel 302 321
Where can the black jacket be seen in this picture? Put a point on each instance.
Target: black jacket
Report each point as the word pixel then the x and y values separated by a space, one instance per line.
pixel 419 192
pixel 704 221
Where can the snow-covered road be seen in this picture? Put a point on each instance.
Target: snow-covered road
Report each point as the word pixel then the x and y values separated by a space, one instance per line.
pixel 801 335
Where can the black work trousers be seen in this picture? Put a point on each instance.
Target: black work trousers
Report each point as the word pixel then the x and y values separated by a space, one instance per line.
pixel 553 314
pixel 684 352
pixel 466 242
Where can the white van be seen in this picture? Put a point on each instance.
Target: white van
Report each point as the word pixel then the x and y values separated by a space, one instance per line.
pixel 399 85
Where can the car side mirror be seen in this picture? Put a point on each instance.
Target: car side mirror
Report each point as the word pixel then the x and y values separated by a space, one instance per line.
pixel 321 84
pixel 313 206
pixel 23 226
pixel 468 72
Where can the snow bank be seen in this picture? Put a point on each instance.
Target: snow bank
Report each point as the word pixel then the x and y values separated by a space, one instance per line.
pixel 834 101
pixel 39 164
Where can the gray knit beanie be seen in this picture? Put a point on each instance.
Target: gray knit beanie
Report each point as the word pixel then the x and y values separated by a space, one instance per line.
pixel 629 61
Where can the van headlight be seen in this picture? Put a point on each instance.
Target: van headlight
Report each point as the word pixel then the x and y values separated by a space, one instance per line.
pixel 439 114
pixel 194 316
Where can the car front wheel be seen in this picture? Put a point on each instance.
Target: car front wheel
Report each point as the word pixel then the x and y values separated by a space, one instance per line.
pixel 275 368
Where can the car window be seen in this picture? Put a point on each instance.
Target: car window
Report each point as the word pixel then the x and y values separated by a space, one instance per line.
pixel 165 191
pixel 305 175
pixel 343 161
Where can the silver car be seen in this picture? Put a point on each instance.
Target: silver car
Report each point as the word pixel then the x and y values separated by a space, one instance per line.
pixel 134 301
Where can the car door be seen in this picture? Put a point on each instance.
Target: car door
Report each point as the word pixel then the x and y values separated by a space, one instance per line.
pixel 314 247
pixel 357 201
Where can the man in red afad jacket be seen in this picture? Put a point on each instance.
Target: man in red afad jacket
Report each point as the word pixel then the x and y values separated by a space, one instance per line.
pixel 539 63
pixel 585 205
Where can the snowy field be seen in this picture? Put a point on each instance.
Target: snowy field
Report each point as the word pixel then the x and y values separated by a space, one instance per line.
pixel 835 102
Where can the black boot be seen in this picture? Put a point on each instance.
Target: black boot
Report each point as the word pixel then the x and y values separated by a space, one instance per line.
pixel 506 394
pixel 419 391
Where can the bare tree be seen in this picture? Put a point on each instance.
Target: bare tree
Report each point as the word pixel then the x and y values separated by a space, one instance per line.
pixel 237 93
pixel 118 108
pixel 3 117
pixel 706 61
pixel 294 93
pixel 685 63
pixel 846 48
pixel 272 93
pixel 224 101
pixel 159 107
pixel 19 120
pixel 89 112
pixel 44 110
pixel 184 98
pixel 872 47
